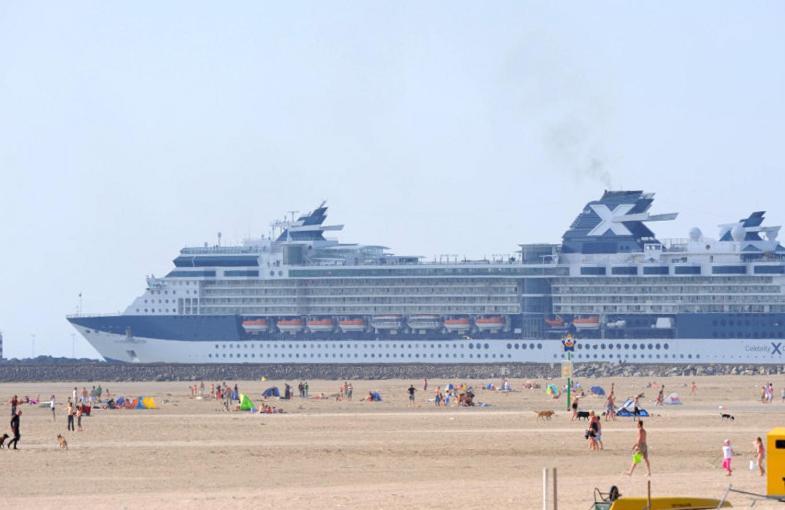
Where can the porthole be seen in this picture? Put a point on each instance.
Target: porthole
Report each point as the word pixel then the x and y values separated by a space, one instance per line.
pixel 486 346
pixel 517 346
pixel 539 346
pixel 509 346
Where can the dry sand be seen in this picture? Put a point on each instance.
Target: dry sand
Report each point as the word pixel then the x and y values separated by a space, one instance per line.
pixel 328 454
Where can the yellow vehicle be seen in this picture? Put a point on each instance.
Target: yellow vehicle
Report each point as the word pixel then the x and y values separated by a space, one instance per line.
pixel 667 503
pixel 614 501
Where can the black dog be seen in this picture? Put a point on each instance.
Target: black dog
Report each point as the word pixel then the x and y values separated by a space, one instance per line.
pixel 726 416
pixel 2 440
pixel 583 415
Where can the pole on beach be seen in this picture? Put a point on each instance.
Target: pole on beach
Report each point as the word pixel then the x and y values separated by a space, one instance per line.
pixel 648 494
pixel 569 381
pixel 552 485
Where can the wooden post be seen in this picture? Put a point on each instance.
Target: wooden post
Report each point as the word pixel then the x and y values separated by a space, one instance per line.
pixel 648 494
pixel 544 488
pixel 555 492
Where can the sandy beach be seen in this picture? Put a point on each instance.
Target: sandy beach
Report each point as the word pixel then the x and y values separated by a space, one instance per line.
pixel 190 453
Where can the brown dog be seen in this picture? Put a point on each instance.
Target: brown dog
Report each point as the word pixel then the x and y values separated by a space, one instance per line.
pixel 545 415
pixel 62 442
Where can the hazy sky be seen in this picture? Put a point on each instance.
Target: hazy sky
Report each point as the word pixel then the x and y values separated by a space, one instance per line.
pixel 128 130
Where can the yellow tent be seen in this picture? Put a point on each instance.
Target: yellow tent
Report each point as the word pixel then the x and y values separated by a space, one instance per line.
pixel 149 403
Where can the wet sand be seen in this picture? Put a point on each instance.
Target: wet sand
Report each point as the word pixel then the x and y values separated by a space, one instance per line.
pixel 328 454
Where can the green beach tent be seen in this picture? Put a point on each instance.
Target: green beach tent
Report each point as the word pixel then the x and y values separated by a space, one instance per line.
pixel 246 404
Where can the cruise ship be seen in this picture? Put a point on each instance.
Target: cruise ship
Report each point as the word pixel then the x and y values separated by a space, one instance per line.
pixel 612 288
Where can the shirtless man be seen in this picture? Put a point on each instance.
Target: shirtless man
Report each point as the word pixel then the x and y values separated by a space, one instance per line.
pixel 641 447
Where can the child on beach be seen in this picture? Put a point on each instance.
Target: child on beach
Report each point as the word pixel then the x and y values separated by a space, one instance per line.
pixel 760 453
pixel 727 456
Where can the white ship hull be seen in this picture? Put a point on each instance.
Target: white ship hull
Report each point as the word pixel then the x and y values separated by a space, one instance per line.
pixel 118 347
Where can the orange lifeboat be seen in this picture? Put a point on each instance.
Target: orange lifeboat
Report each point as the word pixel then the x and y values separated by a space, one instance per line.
pixel 592 322
pixel 320 325
pixel 291 325
pixel 491 323
pixel 457 324
pixel 556 322
pixel 349 325
pixel 255 326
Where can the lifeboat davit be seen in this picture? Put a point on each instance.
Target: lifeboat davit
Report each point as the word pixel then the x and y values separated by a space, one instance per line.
pixel 391 322
pixel 492 323
pixel 320 325
pixel 592 322
pixel 351 325
pixel 458 324
pixel 424 322
pixel 255 326
pixel 291 325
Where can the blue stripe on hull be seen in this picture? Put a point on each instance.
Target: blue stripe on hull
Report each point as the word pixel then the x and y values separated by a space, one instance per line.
pixel 193 328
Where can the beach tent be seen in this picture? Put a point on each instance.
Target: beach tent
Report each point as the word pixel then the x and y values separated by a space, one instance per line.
pixel 552 390
pixel 450 387
pixel 120 401
pixel 145 403
pixel 271 392
pixel 246 404
pixel 489 386
pixel 627 409
pixel 673 399
pixel 376 396
pixel 597 390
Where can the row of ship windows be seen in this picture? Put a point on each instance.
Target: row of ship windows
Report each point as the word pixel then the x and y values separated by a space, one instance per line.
pixel 362 291
pixel 630 356
pixel 356 355
pixel 686 280
pixel 673 299
pixel 667 289
pixel 470 345
pixel 747 334
pixel 610 346
pixel 359 283
pixel 447 356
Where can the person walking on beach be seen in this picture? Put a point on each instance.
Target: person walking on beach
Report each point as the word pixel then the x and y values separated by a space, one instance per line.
pixel 411 391
pixel 349 391
pixel 575 409
pixel 642 448
pixel 15 429
pixel 52 407
pixel 760 454
pixel 693 388
pixel 69 411
pixel 727 456
pixel 661 396
pixel 425 384
pixel 610 407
